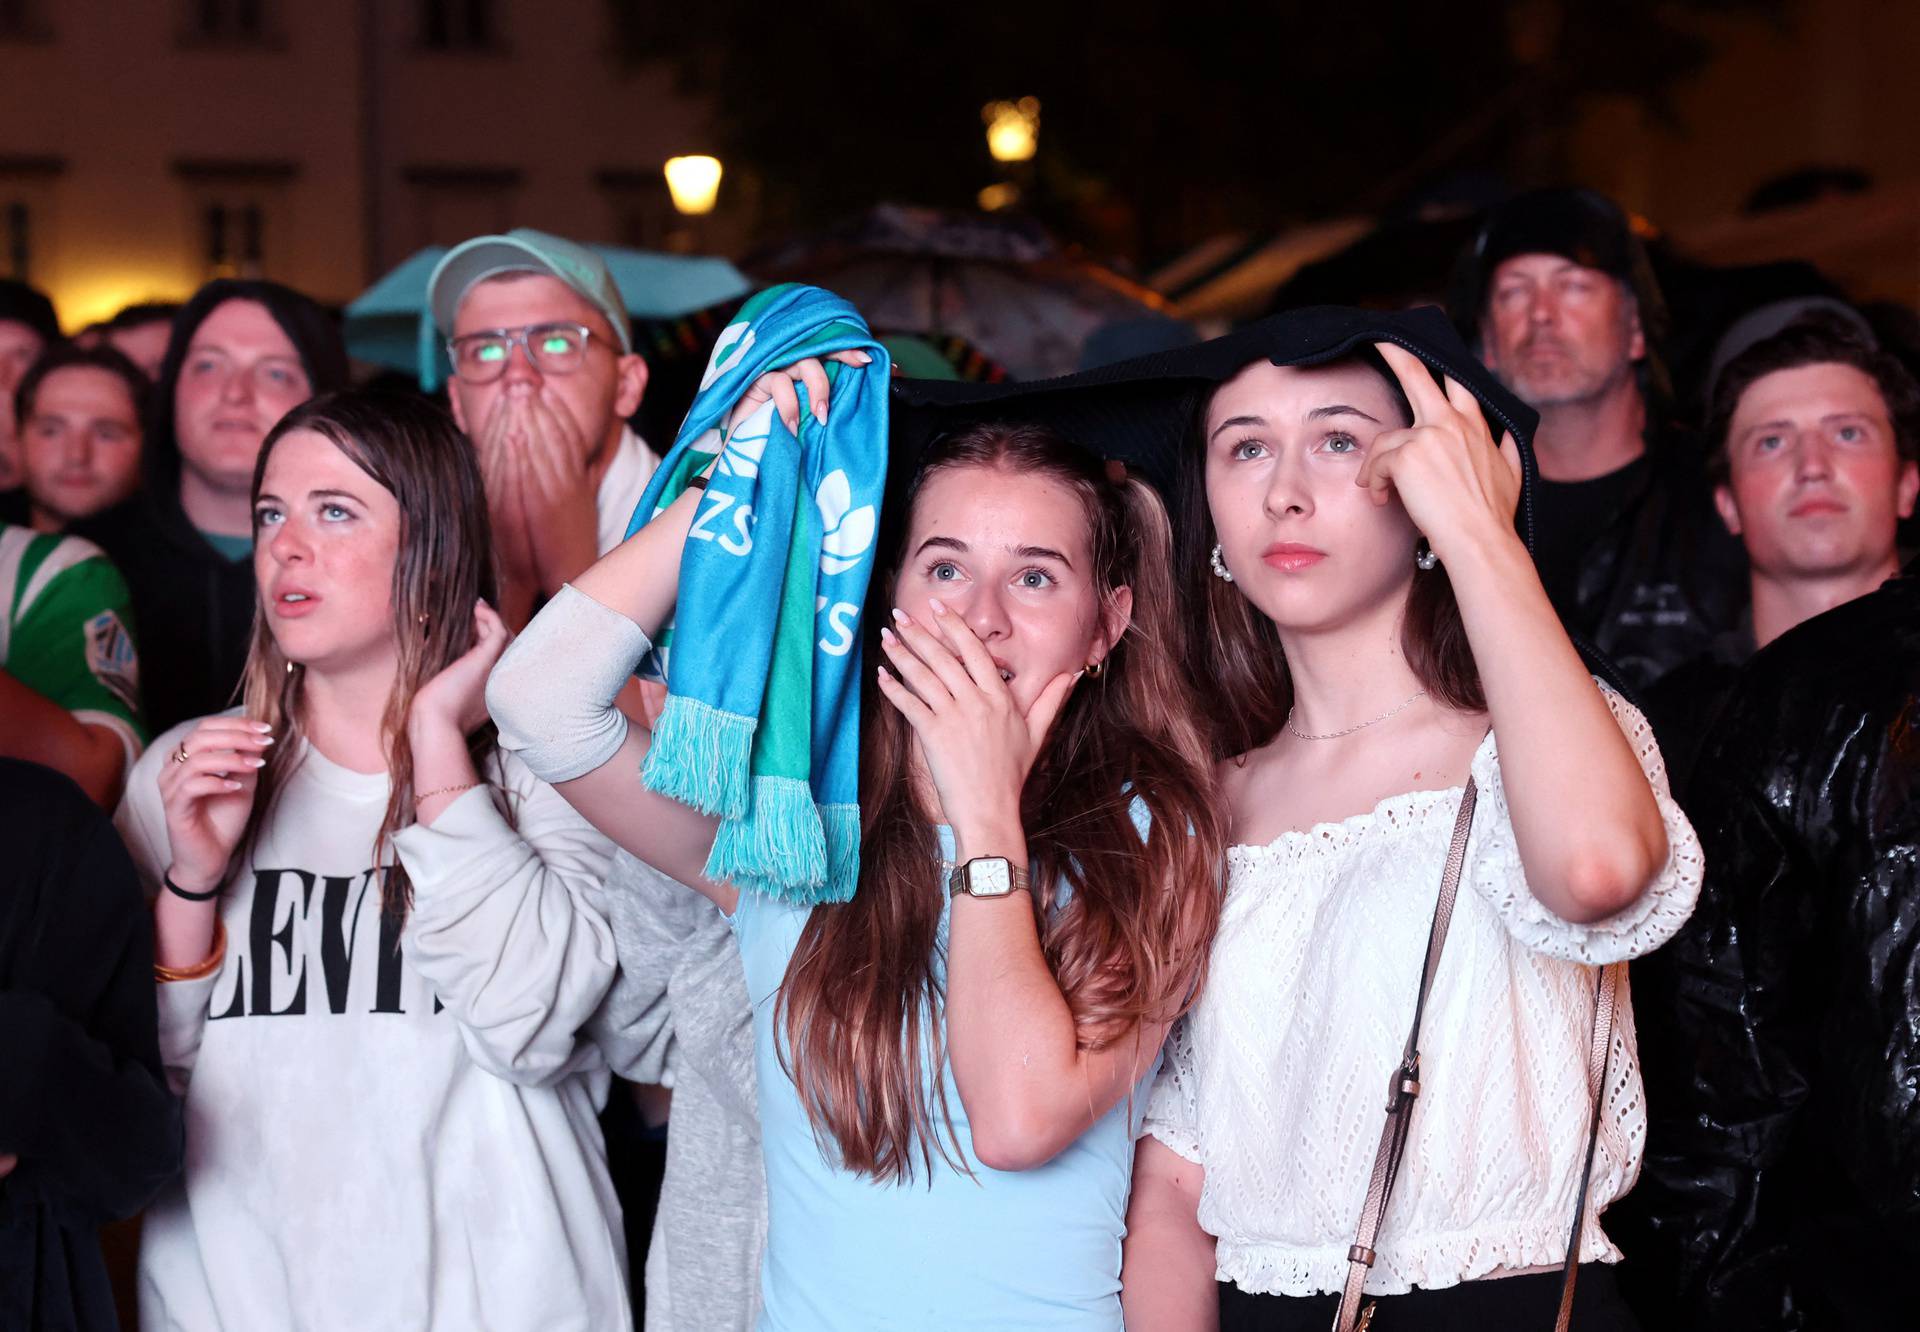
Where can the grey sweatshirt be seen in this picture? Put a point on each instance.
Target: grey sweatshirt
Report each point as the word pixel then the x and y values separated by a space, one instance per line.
pixel 678 1015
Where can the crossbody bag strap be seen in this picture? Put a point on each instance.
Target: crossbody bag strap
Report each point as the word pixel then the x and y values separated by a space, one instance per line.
pixel 1405 1085
pixel 1606 997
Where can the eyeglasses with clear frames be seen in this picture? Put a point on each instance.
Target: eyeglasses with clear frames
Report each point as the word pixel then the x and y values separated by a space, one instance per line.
pixel 558 348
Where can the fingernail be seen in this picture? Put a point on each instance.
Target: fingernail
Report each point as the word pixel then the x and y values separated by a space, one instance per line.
pixel 1077 674
pixel 864 358
pixel 901 617
pixel 255 762
pixel 233 786
pixel 886 634
pixel 939 606
pixel 262 727
pixel 266 739
pixel 820 413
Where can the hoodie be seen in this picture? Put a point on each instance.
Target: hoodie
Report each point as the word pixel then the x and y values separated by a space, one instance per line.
pixel 195 606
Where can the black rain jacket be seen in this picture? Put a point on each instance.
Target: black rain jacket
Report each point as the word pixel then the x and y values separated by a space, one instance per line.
pixel 1782 1180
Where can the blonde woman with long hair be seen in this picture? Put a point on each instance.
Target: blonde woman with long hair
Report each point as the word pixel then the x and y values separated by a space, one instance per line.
pixel 378 936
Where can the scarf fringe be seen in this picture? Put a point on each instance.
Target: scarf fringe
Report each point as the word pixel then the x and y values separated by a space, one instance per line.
pixel 780 847
pixel 842 826
pixel 699 756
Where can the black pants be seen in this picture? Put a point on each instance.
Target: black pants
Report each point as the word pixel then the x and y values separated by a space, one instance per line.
pixel 1506 1304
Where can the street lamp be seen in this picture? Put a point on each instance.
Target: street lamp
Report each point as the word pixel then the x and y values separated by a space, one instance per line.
pixel 1013 129
pixel 694 183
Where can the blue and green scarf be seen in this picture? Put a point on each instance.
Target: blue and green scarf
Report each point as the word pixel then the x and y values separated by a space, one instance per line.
pixel 762 661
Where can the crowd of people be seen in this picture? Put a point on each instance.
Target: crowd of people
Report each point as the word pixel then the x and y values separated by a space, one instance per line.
pixel 1459 815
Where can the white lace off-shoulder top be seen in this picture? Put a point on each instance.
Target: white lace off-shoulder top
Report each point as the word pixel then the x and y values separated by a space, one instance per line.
pixel 1276 1081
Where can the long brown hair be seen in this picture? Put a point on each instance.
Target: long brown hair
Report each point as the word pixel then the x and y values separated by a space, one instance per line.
pixel 412 449
pixel 1236 649
pixel 861 1009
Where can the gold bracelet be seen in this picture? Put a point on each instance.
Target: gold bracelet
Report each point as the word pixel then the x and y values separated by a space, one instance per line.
pixel 198 969
pixel 422 799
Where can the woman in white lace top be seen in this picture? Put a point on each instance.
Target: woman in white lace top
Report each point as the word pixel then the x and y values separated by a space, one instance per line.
pixel 1362 682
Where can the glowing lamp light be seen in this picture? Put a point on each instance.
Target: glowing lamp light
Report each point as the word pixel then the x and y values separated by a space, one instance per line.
pixel 694 183
pixel 1013 129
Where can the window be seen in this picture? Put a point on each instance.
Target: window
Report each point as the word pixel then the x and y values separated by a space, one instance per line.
pixel 458 25
pixel 26 213
pixel 236 239
pixel 234 212
pixel 24 21
pixel 19 240
pixel 227 23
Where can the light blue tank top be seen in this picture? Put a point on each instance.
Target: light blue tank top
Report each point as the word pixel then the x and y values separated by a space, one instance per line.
pixel 1004 1250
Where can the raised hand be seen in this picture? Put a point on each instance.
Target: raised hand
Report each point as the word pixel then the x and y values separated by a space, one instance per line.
pixel 1456 483
pixel 501 442
pixel 777 386
pixel 207 796
pixel 455 699
pixel 979 744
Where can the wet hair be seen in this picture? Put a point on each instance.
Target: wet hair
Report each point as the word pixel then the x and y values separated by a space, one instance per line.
pixel 412 449
pixel 1236 649
pixel 861 1010
pixel 67 356
pixel 1818 339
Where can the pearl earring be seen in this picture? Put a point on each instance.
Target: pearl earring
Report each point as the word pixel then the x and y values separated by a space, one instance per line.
pixel 1424 557
pixel 1220 569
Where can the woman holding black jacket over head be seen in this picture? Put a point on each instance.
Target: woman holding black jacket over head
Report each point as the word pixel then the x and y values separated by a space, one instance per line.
pixel 1384 653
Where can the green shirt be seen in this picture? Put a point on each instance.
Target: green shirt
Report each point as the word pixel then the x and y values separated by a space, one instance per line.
pixel 65 630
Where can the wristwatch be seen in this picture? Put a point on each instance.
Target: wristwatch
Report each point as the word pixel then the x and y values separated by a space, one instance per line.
pixel 987 876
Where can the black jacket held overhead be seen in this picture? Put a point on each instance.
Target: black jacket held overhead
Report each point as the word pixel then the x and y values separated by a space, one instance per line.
pixel 192 606
pixel 1782 1179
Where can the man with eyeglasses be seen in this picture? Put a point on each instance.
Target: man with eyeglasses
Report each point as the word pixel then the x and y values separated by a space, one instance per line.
pixel 544 379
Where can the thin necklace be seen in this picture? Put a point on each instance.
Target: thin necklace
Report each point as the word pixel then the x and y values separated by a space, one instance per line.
pixel 1335 735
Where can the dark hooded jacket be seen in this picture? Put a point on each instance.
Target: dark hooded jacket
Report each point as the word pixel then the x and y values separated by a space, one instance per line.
pixel 83 1099
pixel 193 606
pixel 1782 1180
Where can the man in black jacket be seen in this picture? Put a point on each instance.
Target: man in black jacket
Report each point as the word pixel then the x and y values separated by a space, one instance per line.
pixel 1558 297
pixel 1782 1180
pixel 243 354
pixel 88 1130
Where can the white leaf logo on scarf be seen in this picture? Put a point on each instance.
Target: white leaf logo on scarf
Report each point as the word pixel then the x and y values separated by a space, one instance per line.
pixel 747 444
pixel 727 352
pixel 849 531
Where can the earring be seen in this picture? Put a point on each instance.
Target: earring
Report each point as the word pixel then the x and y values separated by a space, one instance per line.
pixel 1220 569
pixel 1095 669
pixel 426 624
pixel 1424 557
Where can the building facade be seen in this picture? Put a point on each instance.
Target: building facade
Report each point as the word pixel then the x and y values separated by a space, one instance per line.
pixel 147 147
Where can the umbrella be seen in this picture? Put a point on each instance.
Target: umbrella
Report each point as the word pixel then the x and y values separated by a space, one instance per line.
pixel 999 282
pixel 388 324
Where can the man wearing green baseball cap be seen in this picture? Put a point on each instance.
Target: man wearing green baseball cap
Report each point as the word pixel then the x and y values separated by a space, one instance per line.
pixel 544 379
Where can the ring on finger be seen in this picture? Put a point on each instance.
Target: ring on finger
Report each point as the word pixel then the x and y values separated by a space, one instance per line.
pixel 180 754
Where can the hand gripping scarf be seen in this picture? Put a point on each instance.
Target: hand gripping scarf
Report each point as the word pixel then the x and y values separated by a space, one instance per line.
pixel 762 660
